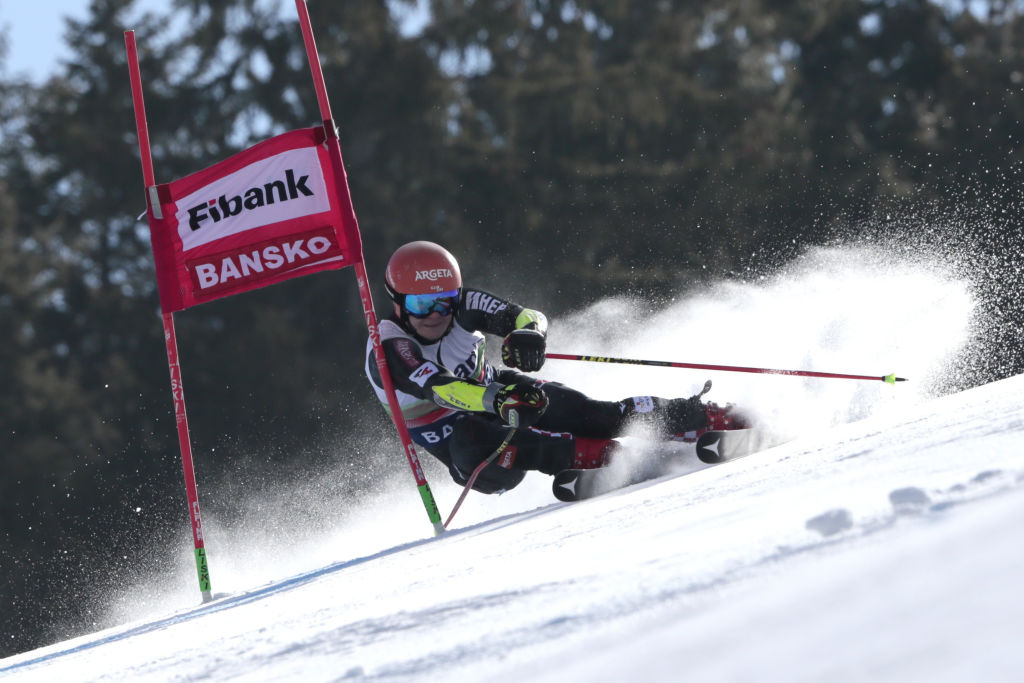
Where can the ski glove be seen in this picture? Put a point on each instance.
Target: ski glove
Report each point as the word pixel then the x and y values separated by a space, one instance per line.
pixel 524 349
pixel 520 405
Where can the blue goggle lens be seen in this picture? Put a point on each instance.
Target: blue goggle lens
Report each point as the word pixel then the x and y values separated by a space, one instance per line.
pixel 422 305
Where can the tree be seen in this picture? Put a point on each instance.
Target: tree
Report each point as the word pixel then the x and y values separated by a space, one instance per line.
pixel 87 404
pixel 601 146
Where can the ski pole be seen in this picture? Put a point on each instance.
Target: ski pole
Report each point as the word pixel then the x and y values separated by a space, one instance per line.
pixel 889 379
pixel 476 473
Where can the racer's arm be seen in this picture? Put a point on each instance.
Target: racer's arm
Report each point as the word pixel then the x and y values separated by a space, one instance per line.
pixel 483 311
pixel 518 405
pixel 524 329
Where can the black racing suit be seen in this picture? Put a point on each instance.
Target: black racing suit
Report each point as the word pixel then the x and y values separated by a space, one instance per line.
pixel 446 389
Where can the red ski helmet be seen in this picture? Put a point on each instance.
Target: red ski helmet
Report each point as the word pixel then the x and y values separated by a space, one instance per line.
pixel 421 268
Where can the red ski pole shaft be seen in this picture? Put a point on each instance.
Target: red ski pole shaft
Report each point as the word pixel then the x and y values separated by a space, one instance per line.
pixel 890 379
pixel 476 473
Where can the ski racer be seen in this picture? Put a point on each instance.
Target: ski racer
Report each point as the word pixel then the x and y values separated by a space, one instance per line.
pixel 460 408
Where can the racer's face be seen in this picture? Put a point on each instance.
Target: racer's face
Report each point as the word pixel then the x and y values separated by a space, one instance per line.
pixel 432 327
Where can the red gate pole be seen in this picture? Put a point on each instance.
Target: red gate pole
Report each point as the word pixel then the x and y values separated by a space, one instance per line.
pixel 352 228
pixel 177 392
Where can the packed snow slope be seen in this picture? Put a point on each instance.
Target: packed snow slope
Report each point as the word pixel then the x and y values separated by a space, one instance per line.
pixel 880 541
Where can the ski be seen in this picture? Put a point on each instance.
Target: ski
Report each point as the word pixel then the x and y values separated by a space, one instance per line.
pixel 573 485
pixel 713 447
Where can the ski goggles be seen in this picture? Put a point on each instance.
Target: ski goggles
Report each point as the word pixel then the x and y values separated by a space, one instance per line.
pixel 422 305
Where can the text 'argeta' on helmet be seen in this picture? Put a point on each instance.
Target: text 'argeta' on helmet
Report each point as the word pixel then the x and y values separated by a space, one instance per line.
pixel 421 268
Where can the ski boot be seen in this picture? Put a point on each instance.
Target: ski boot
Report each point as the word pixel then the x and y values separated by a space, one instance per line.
pixel 719 418
pixel 715 417
pixel 590 454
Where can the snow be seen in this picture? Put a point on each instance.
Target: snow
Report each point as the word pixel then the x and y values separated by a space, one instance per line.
pixel 880 544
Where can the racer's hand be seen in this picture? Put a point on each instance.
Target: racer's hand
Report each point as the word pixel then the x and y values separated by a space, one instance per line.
pixel 520 405
pixel 524 349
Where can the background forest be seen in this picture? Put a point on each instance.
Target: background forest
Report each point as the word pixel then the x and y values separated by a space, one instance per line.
pixel 564 150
